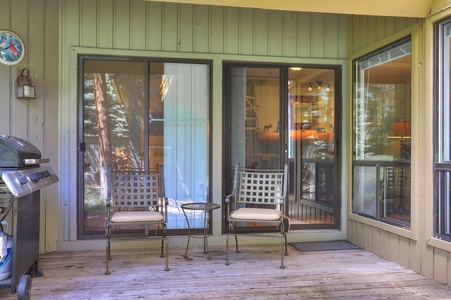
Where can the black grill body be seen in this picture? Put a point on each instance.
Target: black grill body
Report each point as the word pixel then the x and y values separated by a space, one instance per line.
pixel 21 179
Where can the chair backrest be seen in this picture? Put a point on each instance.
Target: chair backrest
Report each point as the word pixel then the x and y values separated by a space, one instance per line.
pixel 260 187
pixel 135 189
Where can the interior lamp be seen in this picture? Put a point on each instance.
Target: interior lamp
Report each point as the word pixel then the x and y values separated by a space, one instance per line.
pixel 25 90
pixel 319 85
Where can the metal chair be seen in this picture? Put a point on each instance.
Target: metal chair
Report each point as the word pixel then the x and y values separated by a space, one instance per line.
pixel 258 197
pixel 136 199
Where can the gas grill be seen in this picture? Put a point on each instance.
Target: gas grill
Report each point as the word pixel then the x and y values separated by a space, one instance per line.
pixel 20 167
pixel 22 176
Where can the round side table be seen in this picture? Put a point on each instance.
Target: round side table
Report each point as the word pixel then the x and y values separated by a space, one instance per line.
pixel 207 208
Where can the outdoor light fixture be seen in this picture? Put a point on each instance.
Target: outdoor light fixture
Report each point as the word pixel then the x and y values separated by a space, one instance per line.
pixel 25 90
pixel 296 68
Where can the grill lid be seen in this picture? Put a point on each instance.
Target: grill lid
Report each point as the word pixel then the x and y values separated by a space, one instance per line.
pixel 17 153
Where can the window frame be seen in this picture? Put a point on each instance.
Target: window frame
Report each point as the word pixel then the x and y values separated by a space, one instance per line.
pixel 82 233
pixel 441 165
pixel 379 165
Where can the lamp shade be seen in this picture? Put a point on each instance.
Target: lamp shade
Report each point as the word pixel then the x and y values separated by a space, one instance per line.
pixel 400 129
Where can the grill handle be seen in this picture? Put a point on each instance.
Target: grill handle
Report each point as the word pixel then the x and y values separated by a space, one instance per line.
pixel 36 161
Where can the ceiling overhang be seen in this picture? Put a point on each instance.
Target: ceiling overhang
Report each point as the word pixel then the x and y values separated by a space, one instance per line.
pixel 392 8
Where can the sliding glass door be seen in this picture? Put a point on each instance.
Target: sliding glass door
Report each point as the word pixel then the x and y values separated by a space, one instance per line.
pixel 280 114
pixel 141 114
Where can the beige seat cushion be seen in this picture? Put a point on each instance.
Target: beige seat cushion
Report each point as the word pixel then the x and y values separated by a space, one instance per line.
pixel 266 214
pixel 136 216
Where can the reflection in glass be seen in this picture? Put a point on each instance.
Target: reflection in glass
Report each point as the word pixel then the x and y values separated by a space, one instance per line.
pixel 128 127
pixel 382 135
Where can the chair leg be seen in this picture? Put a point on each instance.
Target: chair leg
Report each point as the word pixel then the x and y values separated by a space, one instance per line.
pixel 286 244
pixel 236 244
pixel 167 253
pixel 162 247
pixel 282 246
pixel 108 257
pixel 227 250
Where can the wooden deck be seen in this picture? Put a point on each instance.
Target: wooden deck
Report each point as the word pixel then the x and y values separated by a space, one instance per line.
pixel 253 274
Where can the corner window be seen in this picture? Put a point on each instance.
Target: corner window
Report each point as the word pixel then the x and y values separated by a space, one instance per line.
pixel 381 140
pixel 442 159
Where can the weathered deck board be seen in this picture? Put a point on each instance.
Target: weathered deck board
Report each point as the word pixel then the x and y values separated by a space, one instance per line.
pixel 253 274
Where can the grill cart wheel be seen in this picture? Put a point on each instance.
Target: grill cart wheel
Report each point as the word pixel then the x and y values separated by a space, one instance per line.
pixel 24 288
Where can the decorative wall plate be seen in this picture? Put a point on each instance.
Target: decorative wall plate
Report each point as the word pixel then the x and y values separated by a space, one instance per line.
pixel 12 49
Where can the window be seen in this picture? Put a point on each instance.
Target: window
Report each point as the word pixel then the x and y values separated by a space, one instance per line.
pixel 140 114
pixel 381 141
pixel 442 159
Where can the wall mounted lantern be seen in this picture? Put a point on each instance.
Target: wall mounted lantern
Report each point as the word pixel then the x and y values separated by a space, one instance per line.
pixel 25 90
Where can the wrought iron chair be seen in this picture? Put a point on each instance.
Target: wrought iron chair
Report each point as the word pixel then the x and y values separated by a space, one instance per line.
pixel 136 199
pixel 258 197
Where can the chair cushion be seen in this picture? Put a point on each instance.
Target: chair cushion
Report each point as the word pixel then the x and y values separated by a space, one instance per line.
pixel 265 214
pixel 136 216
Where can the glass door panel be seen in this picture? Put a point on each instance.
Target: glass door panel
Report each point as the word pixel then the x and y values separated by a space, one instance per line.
pixel 255 113
pixel 280 114
pixel 311 145
pixel 140 115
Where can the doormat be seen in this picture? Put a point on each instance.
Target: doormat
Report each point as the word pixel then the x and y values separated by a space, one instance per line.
pixel 324 246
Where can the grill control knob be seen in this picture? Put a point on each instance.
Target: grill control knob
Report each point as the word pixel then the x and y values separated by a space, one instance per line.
pixel 22 180
pixel 34 177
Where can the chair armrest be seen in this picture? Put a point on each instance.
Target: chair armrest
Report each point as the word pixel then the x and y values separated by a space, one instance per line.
pixel 227 198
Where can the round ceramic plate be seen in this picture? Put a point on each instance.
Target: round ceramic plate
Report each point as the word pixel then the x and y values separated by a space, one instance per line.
pixel 12 49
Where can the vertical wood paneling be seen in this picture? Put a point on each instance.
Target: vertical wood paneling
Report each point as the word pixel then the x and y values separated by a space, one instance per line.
pixel 19 109
pixel 261 32
pixel 51 108
pixel 440 260
pixel 121 24
pixel 289 33
pixel 389 26
pixel 217 30
pixel 275 33
pixel 231 30
pixel 105 24
pixel 70 26
pixel 36 110
pixel 331 35
pixel 375 244
pixel 371 30
pixel 138 29
pixel 343 37
pixel 404 252
pixel 415 256
pixel 363 32
pixel 317 36
pixel 246 31
pixel 380 28
pixel 154 26
pixel 304 41
pixel 170 27
pixel 88 23
pixel 6 82
pixel 448 267
pixel 201 25
pixel 359 234
pixel 384 244
pixel 393 247
pixel 186 38
pixel 36 67
pixel 367 237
